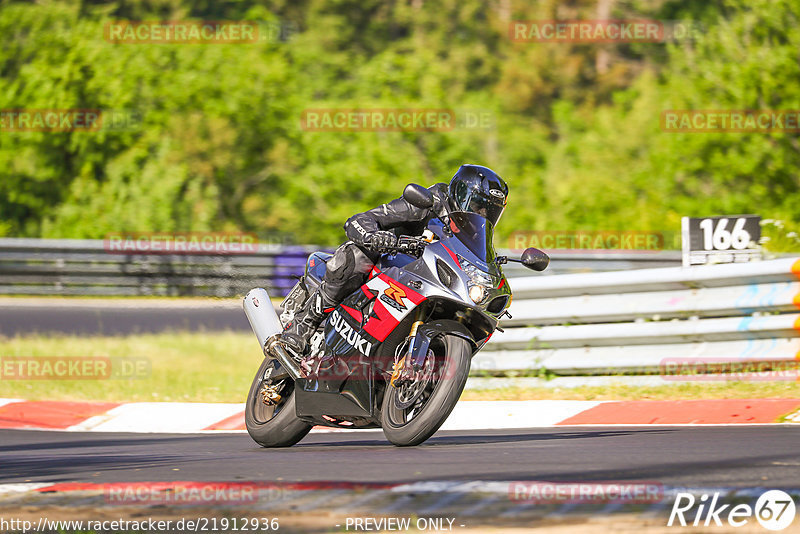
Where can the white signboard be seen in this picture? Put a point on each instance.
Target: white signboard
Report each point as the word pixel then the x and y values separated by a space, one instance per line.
pixel 723 239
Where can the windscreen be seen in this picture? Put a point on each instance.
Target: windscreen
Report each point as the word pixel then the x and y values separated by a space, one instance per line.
pixel 475 232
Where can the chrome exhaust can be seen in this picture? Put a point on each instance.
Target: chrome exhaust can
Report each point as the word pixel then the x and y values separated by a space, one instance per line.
pixel 266 326
pixel 263 319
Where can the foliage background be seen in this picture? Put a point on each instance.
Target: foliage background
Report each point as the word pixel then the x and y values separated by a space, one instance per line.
pixel 576 126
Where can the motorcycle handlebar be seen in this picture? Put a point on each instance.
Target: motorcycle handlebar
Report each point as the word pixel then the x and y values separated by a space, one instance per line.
pixel 407 244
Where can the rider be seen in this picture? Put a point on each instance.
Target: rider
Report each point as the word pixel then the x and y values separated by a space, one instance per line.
pixel 473 188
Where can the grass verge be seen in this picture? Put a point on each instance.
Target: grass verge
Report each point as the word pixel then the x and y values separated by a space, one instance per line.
pixel 188 367
pixel 218 367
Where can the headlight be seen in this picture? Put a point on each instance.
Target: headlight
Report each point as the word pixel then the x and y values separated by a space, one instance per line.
pixel 479 281
pixel 477 293
pixel 476 275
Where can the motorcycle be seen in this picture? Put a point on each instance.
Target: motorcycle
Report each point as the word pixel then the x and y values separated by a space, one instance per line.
pixel 396 353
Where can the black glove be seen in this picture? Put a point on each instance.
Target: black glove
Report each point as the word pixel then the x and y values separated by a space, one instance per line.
pixel 381 241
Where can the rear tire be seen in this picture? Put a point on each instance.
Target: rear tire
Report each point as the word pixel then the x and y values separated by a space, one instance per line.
pixel 281 427
pixel 452 356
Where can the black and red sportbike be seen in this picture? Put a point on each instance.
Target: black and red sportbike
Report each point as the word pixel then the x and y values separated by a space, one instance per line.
pixel 396 353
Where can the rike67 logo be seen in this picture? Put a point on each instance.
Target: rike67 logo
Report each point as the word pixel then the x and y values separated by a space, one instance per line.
pixel 774 510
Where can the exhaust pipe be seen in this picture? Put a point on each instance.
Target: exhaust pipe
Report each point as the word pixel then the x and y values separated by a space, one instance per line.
pixel 266 326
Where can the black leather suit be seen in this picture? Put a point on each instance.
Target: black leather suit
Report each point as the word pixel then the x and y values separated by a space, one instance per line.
pixel 350 265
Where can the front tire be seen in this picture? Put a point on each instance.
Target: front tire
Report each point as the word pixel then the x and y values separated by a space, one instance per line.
pixel 408 426
pixel 278 425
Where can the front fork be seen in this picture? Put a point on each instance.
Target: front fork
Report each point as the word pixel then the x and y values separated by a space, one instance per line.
pixel 413 359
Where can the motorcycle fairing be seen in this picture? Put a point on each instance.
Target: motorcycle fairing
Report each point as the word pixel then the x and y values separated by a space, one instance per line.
pixel 343 383
pixel 393 302
pixel 315 266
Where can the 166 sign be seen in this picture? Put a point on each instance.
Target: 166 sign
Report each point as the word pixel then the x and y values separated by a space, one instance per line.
pixel 723 239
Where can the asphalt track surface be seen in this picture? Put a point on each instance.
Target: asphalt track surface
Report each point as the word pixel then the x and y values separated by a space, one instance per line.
pixel 720 456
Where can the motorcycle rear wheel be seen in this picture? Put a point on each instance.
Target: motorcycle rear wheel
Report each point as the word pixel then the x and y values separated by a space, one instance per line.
pixel 411 426
pixel 278 425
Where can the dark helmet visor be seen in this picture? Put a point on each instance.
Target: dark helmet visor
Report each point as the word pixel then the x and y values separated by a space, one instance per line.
pixel 491 209
pixel 477 202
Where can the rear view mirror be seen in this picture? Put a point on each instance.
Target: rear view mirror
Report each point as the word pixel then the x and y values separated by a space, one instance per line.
pixel 418 196
pixel 535 259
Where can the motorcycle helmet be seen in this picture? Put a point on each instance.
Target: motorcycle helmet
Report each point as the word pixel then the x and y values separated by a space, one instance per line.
pixel 477 189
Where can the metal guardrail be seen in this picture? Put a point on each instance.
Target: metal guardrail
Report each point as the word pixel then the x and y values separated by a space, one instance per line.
pixel 85 267
pixel 595 261
pixel 644 321
pixel 597 323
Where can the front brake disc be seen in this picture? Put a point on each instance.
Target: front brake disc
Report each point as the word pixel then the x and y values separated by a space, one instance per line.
pixel 410 390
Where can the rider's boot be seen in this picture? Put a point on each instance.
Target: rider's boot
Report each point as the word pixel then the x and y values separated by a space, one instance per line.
pixel 306 320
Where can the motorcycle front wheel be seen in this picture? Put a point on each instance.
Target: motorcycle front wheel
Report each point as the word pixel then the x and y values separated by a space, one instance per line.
pixel 413 412
pixel 274 424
